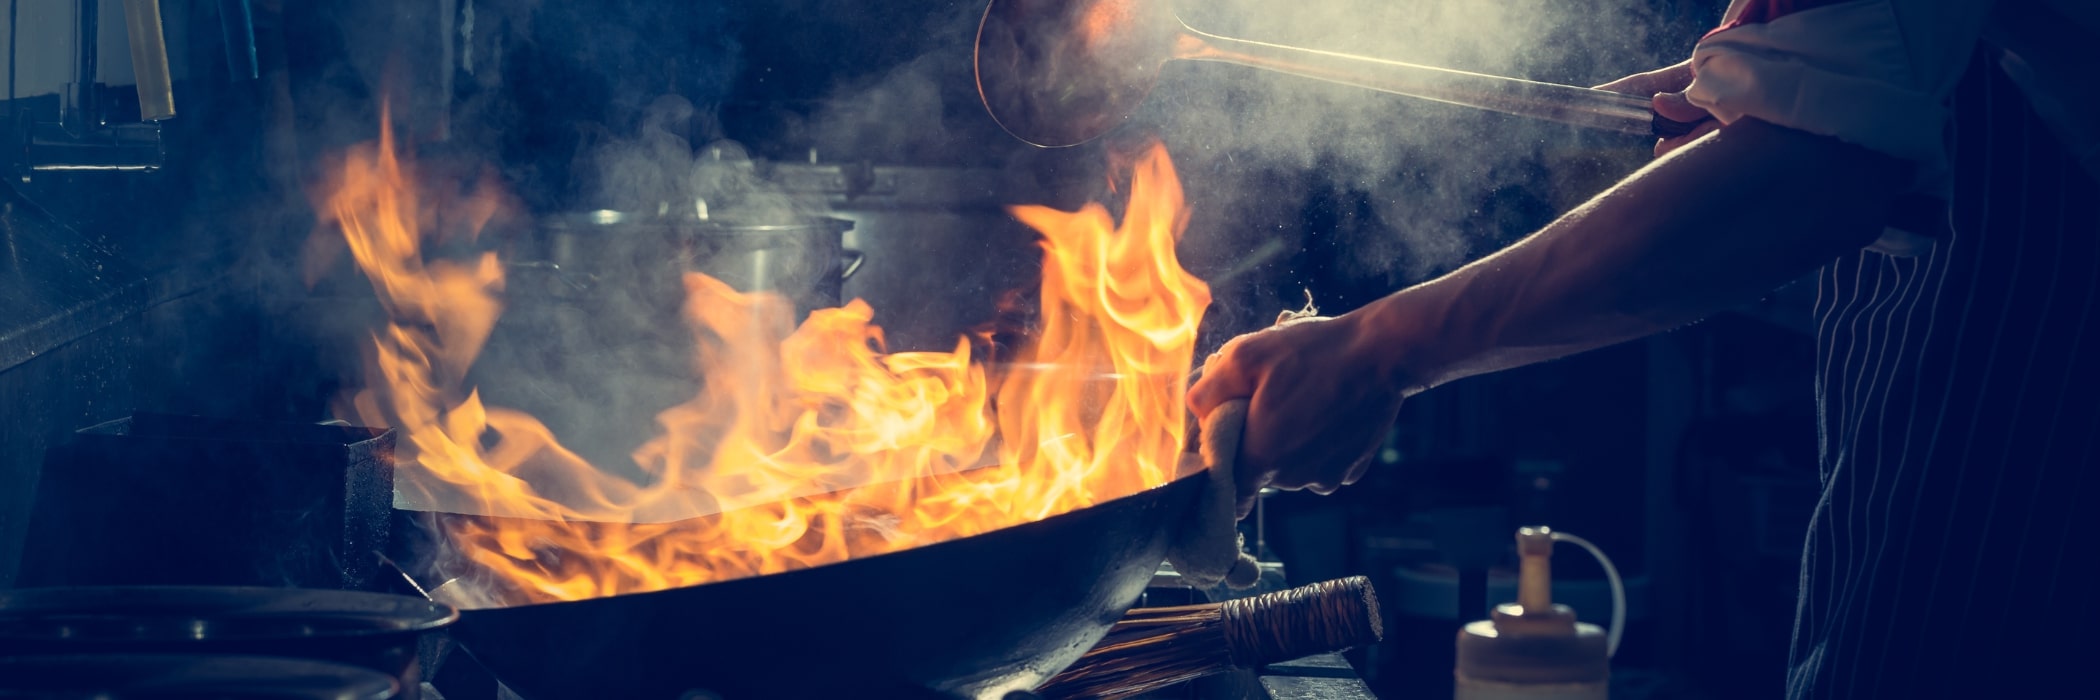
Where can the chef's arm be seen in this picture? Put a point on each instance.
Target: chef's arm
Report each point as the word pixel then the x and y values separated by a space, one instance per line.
pixel 1713 225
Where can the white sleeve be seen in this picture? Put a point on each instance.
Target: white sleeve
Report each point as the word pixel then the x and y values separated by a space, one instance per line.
pixel 1876 73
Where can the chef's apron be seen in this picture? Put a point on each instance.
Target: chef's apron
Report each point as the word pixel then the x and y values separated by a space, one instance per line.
pixel 1951 553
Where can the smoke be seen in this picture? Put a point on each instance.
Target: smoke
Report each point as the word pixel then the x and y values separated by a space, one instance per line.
pixel 1395 189
pixel 1293 184
pixel 1379 191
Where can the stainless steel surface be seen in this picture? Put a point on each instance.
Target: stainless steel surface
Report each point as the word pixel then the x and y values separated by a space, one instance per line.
pixel 237 28
pixel 1323 677
pixel 803 258
pixel 1584 107
pixel 55 284
pixel 81 111
pixel 941 247
pixel 83 138
pixel 806 261
pixel 149 59
pixel 1056 73
pixel 592 339
pixel 120 147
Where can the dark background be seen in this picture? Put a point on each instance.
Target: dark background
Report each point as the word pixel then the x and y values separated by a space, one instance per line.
pixel 1688 457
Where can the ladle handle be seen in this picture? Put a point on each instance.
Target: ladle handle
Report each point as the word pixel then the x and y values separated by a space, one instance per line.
pixel 1585 107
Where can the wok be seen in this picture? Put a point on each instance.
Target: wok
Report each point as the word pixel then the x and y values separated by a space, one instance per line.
pixel 975 617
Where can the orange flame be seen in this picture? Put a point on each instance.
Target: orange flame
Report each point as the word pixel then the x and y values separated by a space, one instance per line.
pixel 806 446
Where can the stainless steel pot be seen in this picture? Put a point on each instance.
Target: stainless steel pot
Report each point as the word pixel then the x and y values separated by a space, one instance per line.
pixel 944 246
pixel 803 258
pixel 592 340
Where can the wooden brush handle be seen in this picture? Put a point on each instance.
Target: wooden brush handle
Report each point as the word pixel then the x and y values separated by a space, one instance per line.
pixel 1153 648
pixel 1316 619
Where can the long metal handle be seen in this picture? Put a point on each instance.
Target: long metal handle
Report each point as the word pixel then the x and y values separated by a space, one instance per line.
pixel 149 59
pixel 1585 107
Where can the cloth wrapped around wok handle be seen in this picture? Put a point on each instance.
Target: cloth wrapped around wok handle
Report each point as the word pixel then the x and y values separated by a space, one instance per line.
pixel 1209 548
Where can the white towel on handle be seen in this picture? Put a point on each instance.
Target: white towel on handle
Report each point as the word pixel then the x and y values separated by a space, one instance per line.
pixel 1209 548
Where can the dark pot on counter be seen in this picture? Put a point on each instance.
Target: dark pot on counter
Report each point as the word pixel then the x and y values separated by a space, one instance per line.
pixel 375 631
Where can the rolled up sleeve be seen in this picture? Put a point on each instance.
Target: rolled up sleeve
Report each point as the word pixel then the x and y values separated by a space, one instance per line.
pixel 1876 73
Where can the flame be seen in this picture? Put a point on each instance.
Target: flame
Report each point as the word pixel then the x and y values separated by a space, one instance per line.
pixel 806 445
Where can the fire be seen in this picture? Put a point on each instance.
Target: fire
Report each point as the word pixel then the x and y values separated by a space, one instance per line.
pixel 806 445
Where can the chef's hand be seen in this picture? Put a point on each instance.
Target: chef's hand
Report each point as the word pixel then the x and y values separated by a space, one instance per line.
pixel 1320 401
pixel 1667 85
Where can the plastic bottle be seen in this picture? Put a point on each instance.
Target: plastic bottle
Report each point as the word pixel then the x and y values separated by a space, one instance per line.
pixel 1534 649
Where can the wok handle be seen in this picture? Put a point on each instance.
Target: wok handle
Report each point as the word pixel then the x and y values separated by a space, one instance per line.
pixel 1566 104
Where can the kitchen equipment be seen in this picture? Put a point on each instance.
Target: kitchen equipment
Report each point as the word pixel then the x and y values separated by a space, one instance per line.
pixel 592 338
pixel 370 630
pixel 800 257
pixel 945 246
pixel 1534 649
pixel 88 134
pixel 186 677
pixel 149 59
pixel 1058 73
pixel 155 499
pixel 975 617
pixel 1154 648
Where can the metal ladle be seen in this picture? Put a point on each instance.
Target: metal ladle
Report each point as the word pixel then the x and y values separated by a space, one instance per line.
pixel 1058 73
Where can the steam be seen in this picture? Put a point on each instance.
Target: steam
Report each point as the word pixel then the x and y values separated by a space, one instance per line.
pixel 1424 180
pixel 1294 184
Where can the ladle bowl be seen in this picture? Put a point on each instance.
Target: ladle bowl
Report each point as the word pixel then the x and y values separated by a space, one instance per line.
pixel 1057 73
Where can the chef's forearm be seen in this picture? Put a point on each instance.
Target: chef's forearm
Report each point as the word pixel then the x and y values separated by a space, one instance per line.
pixel 1713 225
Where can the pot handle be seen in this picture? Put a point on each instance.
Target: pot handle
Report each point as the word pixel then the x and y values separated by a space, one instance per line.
pixel 849 263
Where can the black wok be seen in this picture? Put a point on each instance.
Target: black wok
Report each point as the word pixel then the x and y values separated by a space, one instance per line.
pixel 975 617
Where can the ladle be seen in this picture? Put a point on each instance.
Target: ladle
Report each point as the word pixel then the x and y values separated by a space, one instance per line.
pixel 1058 73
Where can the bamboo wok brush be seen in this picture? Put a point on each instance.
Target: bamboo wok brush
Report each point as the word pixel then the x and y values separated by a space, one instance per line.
pixel 1152 648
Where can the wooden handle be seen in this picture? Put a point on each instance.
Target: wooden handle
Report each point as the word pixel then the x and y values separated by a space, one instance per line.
pixel 1316 619
pixel 1153 648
